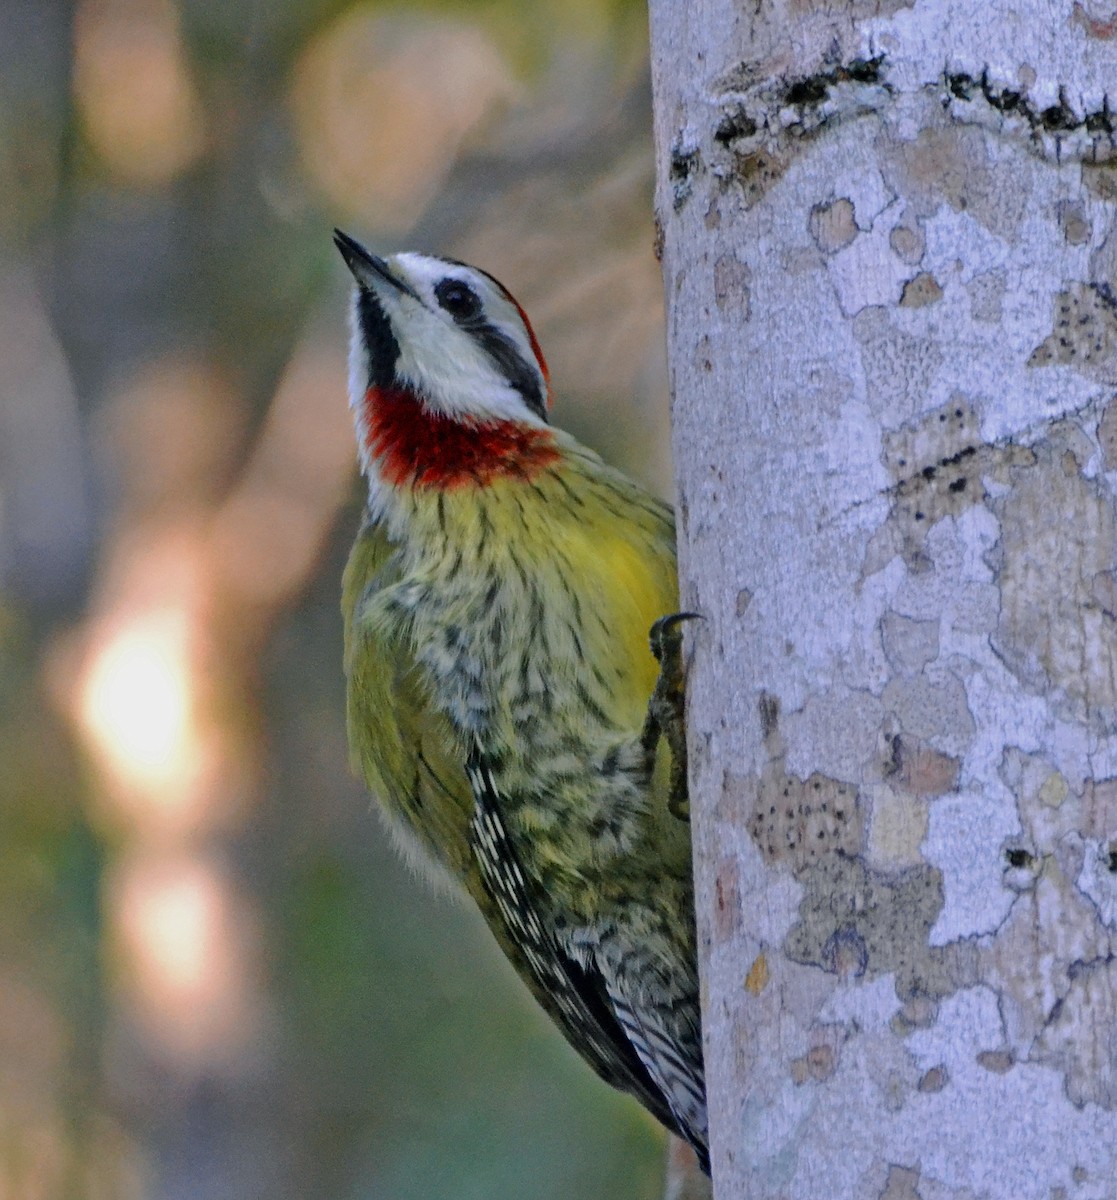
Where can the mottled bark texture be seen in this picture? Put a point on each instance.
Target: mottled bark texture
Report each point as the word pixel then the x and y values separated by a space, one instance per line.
pixel 890 249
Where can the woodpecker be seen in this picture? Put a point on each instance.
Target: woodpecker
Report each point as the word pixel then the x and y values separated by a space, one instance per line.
pixel 503 701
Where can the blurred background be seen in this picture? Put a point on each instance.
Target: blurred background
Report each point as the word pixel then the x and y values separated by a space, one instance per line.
pixel 216 980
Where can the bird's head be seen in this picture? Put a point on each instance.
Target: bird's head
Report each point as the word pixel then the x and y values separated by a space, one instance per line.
pixel 444 370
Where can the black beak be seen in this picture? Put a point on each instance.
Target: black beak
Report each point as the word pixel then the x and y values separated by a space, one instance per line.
pixel 367 268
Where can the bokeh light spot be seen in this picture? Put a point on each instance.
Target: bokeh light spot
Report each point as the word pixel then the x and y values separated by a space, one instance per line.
pixel 133 88
pixel 136 701
pixel 190 945
pixel 379 124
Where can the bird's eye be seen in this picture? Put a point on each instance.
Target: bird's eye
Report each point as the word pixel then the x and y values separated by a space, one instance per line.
pixel 457 298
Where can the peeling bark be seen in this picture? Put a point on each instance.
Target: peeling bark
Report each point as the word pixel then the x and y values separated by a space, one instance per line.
pixel 889 237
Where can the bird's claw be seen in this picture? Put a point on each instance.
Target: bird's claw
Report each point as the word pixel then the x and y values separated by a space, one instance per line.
pixel 666 717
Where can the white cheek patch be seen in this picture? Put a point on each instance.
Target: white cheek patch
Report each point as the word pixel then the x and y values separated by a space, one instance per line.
pixel 455 375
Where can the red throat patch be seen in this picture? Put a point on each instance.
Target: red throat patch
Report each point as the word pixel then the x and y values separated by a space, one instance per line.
pixel 419 448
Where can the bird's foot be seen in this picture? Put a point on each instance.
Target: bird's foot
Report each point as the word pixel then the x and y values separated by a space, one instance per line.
pixel 666 707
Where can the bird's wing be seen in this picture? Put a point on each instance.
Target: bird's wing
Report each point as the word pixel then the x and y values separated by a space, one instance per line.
pixel 580 999
pixel 400 744
pixel 676 1076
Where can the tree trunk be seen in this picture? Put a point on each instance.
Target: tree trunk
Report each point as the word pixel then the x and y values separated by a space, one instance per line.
pixel 889 242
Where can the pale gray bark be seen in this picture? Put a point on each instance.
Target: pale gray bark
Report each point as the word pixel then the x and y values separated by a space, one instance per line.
pixel 889 243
